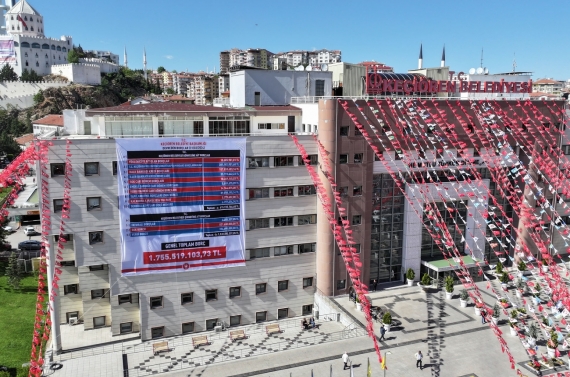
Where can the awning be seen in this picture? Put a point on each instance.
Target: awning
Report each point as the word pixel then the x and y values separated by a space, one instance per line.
pixel 441 265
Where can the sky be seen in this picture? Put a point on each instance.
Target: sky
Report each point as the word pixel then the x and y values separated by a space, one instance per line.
pixel 189 35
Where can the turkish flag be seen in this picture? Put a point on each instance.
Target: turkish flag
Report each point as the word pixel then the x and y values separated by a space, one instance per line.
pixel 22 21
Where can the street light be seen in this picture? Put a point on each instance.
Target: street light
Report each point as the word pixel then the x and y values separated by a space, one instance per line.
pixel 385 359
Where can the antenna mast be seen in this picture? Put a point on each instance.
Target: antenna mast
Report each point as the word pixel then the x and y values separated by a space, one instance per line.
pixel 481 57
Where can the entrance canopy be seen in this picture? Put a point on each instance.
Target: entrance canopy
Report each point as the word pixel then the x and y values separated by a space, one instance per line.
pixel 441 265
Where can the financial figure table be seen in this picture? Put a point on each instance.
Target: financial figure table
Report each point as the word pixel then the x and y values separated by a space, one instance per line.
pixel 209 179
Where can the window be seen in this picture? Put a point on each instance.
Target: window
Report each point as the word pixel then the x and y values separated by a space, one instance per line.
pixel 71 289
pixel 282 191
pixel 358 158
pixel 340 220
pixel 283 250
pixel 340 284
pixel 125 299
pixel 283 221
pixel 99 321
pixel 126 327
pixel 260 317
pixel 307 282
pixel 94 203
pixel 259 253
pixel 91 168
pixel 157 332
pixel 186 298
pixel 307 219
pixel 258 224
pixel 343 191
pixel 69 263
pixel 97 293
pixel 313 159
pixel 357 131
pixel 307 309
pixel 356 220
pixel 95 237
pixel 344 131
pixel 307 248
pixel 235 320
pixel 211 294
pixel 319 88
pixel 282 313
pixel 282 285
pixel 307 190
pixel 57 205
pixel 114 167
pixel 258 162
pixel 57 170
pixel 271 126
pixel 283 161
pixel 566 149
pixel 356 248
pixel 398 154
pixel 343 159
pixel 357 191
pixel 187 327
pixel 156 302
pixel 260 288
pixel 99 267
pixel 258 193
pixel 235 292
pixel 211 323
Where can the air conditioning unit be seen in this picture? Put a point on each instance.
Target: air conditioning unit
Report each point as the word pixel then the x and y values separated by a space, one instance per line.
pixel 218 328
pixel 73 321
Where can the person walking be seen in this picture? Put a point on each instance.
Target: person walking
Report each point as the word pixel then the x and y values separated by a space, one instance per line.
pixel 345 360
pixel 419 358
pixel 483 314
pixel 374 284
pixel 382 332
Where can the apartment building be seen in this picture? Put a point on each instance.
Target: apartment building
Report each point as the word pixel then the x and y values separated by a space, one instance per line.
pixel 180 82
pixel 314 58
pixel 204 88
pixel 549 86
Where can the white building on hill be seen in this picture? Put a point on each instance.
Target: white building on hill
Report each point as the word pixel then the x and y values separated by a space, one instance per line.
pixel 26 47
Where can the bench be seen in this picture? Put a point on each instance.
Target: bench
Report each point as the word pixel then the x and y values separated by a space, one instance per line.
pixel 272 329
pixel 159 347
pixel 198 341
pixel 237 335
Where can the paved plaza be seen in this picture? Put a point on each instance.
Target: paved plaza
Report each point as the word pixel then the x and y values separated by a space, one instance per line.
pixel 452 339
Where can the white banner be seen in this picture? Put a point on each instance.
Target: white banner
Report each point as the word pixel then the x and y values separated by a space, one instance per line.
pixel 182 204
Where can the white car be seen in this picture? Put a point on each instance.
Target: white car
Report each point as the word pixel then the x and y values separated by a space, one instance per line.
pixel 8 229
pixel 30 231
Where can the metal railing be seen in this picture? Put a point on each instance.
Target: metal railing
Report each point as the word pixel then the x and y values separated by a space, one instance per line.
pixel 244 352
pixel 242 134
pixel 315 99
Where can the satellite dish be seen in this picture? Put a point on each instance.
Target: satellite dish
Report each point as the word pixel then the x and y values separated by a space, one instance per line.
pixel 309 68
pixel 324 67
pixel 479 70
pixel 486 71
pixel 472 71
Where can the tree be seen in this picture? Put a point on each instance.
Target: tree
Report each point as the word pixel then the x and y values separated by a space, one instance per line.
pixel 9 146
pixel 160 69
pixel 39 97
pixel 30 76
pixel 174 71
pixel 14 271
pixel 169 91
pixel 72 56
pixel 7 73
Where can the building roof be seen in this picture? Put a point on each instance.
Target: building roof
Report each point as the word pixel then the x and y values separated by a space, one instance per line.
pixel 159 107
pixel 545 81
pixel 22 6
pixel 177 97
pixel 275 108
pixel 50 120
pixel 24 139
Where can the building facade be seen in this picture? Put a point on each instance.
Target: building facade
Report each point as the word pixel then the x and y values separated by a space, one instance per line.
pixel 105 55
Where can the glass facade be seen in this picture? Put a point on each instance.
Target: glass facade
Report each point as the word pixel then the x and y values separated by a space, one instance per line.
pixel 387 230
pixel 180 125
pixel 230 125
pixel 454 214
pixel 128 126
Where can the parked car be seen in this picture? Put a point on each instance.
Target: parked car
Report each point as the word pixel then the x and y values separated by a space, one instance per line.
pixel 9 229
pixel 29 245
pixel 30 231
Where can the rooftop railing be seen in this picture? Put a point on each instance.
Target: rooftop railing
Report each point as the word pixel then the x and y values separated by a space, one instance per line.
pixel 315 99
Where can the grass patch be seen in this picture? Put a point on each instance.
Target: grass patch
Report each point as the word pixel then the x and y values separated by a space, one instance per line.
pixel 4 192
pixel 17 315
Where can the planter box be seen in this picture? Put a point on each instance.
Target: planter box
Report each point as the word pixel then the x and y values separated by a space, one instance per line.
pixel 514 331
pixel 410 283
pixel 464 304
pixel 448 295
pixel 495 320
pixel 387 327
pixel 478 311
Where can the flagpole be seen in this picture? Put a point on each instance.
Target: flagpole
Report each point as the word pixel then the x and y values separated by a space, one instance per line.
pixel 385 359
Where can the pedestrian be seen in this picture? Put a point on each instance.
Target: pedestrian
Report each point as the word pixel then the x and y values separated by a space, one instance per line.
pixel 382 332
pixel 419 358
pixel 374 284
pixel 345 360
pixel 312 322
pixel 483 314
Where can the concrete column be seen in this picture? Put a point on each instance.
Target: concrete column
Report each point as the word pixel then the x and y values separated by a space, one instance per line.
pixel 325 238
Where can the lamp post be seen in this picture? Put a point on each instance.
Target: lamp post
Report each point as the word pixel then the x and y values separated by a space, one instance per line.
pixel 385 359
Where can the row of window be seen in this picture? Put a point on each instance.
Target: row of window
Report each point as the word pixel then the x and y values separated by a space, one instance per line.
pixel 358 158
pixel 280 192
pixel 281 221
pixel 271 126
pixel 157 302
pixel 90 168
pixel 92 203
pixel 235 320
pixel 26 19
pixel 45 46
pixel 265 252
pixel 26 28
pixel 264 162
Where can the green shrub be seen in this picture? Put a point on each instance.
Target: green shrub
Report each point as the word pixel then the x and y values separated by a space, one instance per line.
pixel 426 280
pixel 449 284
pixel 464 295
pixel 410 274
pixel 496 311
pixel 499 268
pixel 387 318
pixel 522 266
pixel 504 277
pixel 5 374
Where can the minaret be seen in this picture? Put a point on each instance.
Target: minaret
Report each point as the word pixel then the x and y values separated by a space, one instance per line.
pixel 126 62
pixel 421 58
pixel 144 63
pixel 443 57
